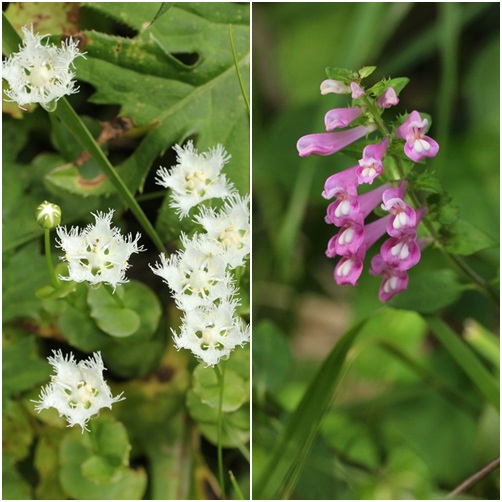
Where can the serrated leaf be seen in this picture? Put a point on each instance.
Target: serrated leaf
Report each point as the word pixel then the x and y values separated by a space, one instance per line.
pixel 342 74
pixel 153 86
pixel 465 239
pixel 398 84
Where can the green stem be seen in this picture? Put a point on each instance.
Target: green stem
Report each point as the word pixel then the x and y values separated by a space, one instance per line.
pixel 236 485
pixel 220 375
pixel 70 118
pixel 48 258
pixel 458 262
pixel 239 76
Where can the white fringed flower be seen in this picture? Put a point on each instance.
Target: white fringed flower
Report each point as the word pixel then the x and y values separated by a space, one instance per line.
pixel 99 253
pixel 196 279
pixel 77 390
pixel 227 231
pixel 196 177
pixel 212 333
pixel 40 73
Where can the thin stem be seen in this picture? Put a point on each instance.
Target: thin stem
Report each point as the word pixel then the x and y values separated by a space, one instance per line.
pixel 239 76
pixel 48 257
pixel 70 118
pixel 220 375
pixel 235 485
pixel 470 481
pixel 458 262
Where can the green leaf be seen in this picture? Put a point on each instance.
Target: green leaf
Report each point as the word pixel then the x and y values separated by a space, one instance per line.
pixel 22 367
pixel 205 386
pixel 465 239
pixel 46 462
pixel 18 434
pixel 164 7
pixel 107 446
pixel 148 72
pixel 14 486
pixel 366 71
pixel 132 312
pixel 429 291
pixel 342 74
pixel 272 359
pixel 51 293
pixel 398 84
pixel 291 450
pixel 467 360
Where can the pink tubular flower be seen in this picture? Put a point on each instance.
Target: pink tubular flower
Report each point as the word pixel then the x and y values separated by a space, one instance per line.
pixel 404 216
pixel 349 268
pixel 326 143
pixel 347 241
pixel 341 117
pixel 357 90
pixel 393 280
pixel 344 181
pixel 401 252
pixel 334 86
pixel 371 165
pixel 417 145
pixel 345 208
pixel 388 98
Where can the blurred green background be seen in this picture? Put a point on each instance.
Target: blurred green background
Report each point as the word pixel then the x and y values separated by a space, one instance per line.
pixel 389 435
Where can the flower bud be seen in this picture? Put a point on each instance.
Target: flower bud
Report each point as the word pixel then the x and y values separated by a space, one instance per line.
pixel 48 215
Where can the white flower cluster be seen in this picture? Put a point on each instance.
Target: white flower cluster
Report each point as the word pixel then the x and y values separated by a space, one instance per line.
pixel 98 253
pixel 199 276
pixel 196 177
pixel 40 73
pixel 77 390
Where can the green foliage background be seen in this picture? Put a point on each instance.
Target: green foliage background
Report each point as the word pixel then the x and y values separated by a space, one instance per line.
pixel 154 74
pixel 415 402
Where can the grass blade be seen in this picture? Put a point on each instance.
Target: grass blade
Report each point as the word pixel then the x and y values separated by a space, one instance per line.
pixel 466 359
pixel 292 448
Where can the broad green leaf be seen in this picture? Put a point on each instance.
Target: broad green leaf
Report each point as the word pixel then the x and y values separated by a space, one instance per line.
pixel 465 239
pixel 14 486
pixel 132 311
pixel 366 71
pixel 164 7
pixel 291 450
pixel 49 292
pixel 398 84
pixel 17 432
pixel 429 291
pixel 77 449
pixel 22 368
pixel 46 461
pixel 152 86
pixel 467 360
pixel 205 385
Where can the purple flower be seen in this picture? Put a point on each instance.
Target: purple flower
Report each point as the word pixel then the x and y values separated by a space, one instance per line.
pixel 417 145
pixel 357 90
pixel 371 165
pixel 335 86
pixel 404 217
pixel 345 208
pixel 347 241
pixel 341 117
pixel 342 182
pixel 326 143
pixel 393 280
pixel 388 98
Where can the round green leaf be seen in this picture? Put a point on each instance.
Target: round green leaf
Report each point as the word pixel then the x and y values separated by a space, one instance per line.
pixel 100 470
pixel 51 293
pixel 116 321
pixel 206 387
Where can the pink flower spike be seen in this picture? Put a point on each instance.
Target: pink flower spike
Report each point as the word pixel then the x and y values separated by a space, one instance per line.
pixel 335 86
pixel 393 280
pixel 417 145
pixel 341 117
pixel 348 269
pixel 401 252
pixel 326 143
pixel 357 90
pixel 371 165
pixel 343 182
pixel 388 98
